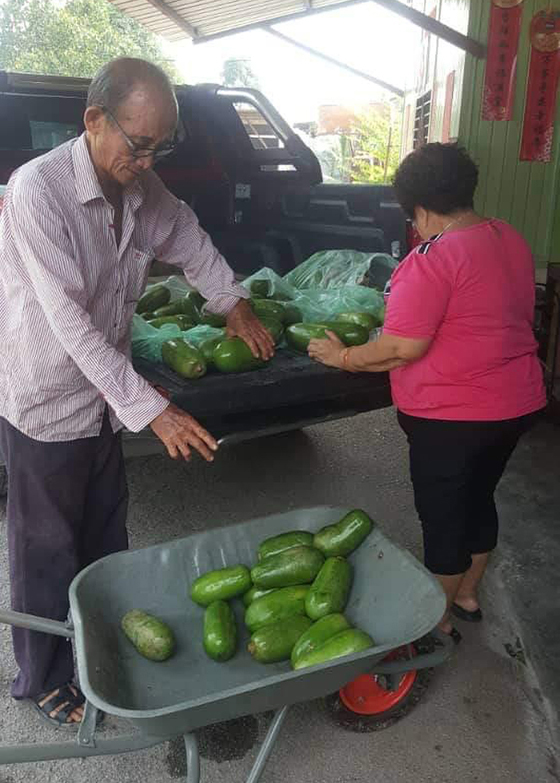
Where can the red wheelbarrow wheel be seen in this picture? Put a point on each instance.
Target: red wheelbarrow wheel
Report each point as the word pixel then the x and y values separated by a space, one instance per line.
pixel 369 704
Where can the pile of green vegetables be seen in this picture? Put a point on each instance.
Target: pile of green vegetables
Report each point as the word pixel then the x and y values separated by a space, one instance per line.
pixel 294 598
pixel 227 355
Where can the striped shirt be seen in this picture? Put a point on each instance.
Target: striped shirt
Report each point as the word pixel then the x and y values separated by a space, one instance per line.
pixel 68 293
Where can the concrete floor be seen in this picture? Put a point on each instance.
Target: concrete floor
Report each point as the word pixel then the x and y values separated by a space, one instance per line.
pixel 488 715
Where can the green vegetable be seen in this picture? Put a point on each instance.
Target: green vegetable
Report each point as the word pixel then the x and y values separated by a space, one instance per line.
pixel 220 585
pixel 207 349
pixel 152 637
pixel 275 642
pixel 276 606
pixel 299 335
pixel 295 566
pixel 156 296
pixel 344 643
pixel 182 321
pixel 212 319
pixel 187 361
pixel 330 590
pixel 274 327
pixel 260 288
pixel 173 308
pixel 234 355
pixel 276 544
pixel 193 303
pixel 254 593
pixel 220 631
pixel 292 314
pixel 318 634
pixel 350 334
pixel 367 320
pixel 267 308
pixel 345 536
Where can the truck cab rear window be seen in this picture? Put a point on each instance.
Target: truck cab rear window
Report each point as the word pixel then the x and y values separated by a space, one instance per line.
pixel 39 123
pixel 261 134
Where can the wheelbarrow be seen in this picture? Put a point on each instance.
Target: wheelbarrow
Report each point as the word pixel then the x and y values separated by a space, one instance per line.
pixel 393 598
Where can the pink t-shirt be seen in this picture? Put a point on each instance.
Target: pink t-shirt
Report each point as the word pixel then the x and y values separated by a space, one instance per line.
pixel 471 291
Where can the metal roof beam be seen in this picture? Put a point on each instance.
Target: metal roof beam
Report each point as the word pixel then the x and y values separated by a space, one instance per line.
pixel 277 20
pixel 333 61
pixel 417 18
pixel 432 25
pixel 170 13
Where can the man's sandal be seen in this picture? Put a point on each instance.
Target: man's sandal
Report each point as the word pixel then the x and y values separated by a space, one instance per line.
pixel 68 701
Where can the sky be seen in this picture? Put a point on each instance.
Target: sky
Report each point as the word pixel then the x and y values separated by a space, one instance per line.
pixel 365 36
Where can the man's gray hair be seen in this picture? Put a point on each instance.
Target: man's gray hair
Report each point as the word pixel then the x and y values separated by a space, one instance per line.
pixel 116 80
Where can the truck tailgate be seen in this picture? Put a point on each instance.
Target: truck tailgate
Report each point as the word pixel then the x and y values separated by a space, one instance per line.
pixel 292 391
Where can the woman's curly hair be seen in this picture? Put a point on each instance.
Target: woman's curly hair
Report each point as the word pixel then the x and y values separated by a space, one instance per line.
pixel 441 178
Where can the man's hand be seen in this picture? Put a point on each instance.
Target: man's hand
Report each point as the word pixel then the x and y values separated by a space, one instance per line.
pixel 242 322
pixel 179 432
pixel 327 351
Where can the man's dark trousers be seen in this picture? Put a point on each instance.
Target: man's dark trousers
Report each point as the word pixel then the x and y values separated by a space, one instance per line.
pixel 67 504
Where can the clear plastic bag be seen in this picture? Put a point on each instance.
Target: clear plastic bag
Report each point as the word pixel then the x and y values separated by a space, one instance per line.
pixel 318 305
pixel 199 334
pixel 380 270
pixel 147 340
pixel 330 269
pixel 178 286
pixel 266 283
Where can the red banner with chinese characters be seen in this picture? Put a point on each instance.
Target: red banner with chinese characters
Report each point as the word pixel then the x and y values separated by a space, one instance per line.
pixel 501 61
pixel 542 86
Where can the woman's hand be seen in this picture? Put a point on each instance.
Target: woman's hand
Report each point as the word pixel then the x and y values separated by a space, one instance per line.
pixel 327 351
pixel 242 322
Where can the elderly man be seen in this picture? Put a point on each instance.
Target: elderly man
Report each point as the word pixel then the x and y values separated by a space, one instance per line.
pixel 78 230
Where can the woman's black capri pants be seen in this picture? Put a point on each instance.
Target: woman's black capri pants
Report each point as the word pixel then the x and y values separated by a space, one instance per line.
pixel 455 467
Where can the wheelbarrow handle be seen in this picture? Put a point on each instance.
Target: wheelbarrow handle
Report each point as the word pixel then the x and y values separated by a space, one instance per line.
pixel 34 623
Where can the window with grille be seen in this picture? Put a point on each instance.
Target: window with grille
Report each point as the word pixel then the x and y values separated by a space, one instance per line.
pixel 422 119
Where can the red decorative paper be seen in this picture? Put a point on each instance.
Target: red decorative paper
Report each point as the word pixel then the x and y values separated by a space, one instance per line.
pixel 501 62
pixel 542 86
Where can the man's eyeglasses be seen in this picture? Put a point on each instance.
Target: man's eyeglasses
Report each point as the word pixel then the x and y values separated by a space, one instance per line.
pixel 137 150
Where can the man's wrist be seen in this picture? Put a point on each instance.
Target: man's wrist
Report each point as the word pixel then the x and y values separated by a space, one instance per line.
pixel 345 359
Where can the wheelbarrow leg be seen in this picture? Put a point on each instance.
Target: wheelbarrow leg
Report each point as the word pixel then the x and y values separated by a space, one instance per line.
pixel 267 745
pixel 193 758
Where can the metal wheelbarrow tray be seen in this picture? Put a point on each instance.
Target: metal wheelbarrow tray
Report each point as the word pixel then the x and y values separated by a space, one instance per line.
pixel 393 598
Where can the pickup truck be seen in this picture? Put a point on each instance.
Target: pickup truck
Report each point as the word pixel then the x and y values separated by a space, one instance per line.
pixel 257 189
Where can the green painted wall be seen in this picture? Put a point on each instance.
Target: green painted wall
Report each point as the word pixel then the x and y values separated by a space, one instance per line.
pixel 525 194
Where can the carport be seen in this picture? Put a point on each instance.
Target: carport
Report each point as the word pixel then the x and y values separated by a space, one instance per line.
pixel 202 22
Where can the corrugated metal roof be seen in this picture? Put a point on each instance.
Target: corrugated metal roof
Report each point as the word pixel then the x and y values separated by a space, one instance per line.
pixel 199 19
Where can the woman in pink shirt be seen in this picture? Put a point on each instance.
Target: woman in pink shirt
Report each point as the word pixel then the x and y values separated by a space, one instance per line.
pixel 458 342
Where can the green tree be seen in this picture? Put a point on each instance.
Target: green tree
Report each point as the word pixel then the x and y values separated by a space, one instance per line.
pixel 238 73
pixel 377 142
pixel 71 39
